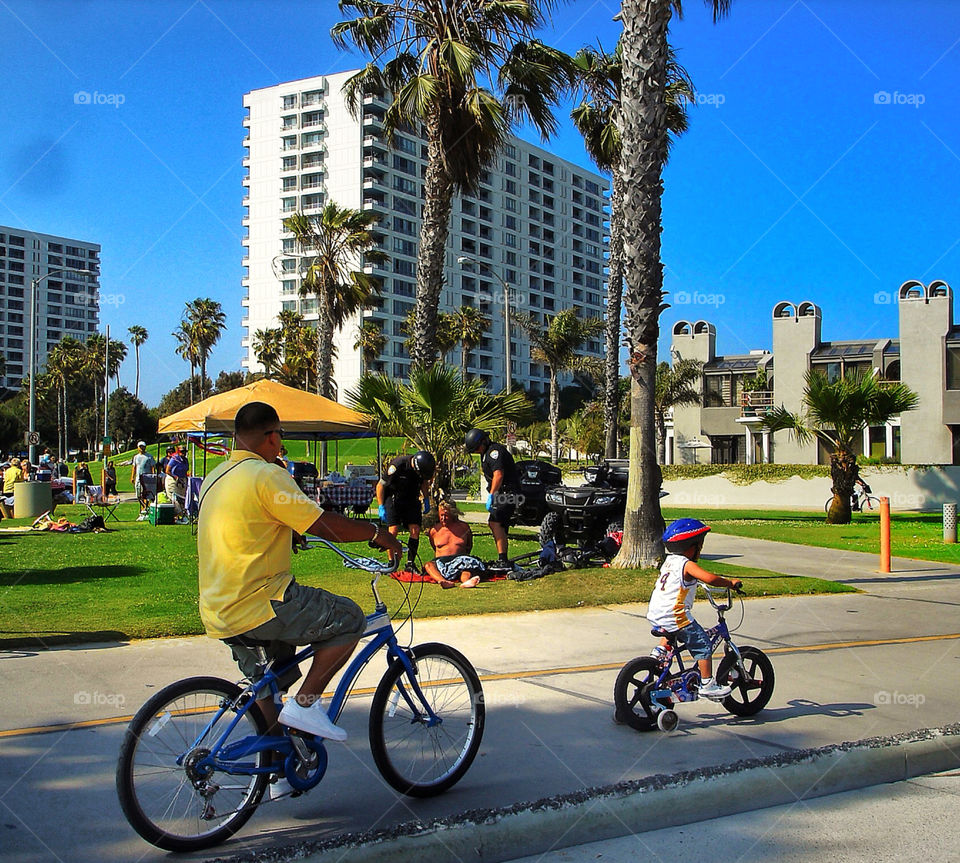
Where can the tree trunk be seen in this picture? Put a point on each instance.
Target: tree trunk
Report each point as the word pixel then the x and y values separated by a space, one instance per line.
pixel 325 343
pixel 136 386
pixel 843 472
pixel 438 198
pixel 554 418
pixel 66 431
pixel 59 421
pixel 203 375
pixel 464 360
pixel 192 375
pixel 661 426
pixel 644 138
pixel 611 396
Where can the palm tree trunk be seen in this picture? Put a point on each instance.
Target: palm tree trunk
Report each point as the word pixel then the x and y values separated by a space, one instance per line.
pixel 843 472
pixel 136 386
pixel 464 360
pixel 438 198
pixel 192 376
pixel 203 374
pixel 611 396
pixel 325 345
pixel 644 138
pixel 554 417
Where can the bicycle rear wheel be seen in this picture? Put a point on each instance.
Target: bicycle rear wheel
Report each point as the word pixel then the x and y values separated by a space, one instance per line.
pixel 416 758
pixel 631 694
pixel 186 807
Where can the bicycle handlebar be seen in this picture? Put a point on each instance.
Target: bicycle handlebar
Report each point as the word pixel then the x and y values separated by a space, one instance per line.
pixel 367 564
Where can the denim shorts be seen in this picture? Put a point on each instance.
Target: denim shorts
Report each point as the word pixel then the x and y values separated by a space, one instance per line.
pixel 305 615
pixel 695 639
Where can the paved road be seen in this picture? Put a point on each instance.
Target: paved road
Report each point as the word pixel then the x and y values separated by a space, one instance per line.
pixel 838 678
pixel 904 821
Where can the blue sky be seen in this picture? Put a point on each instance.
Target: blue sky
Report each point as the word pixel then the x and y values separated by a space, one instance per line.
pixel 822 163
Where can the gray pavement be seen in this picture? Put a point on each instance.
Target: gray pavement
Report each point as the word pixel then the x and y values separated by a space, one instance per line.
pixel 903 821
pixel 548 684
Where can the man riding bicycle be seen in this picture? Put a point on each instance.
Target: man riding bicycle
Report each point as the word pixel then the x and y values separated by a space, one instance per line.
pixel 249 510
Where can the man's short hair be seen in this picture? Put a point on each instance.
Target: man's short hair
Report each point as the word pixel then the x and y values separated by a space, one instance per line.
pixel 254 417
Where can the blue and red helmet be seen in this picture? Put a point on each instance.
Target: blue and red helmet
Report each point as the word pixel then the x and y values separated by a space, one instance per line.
pixel 683 533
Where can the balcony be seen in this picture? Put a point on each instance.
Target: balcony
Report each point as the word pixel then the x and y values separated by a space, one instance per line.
pixel 374 183
pixel 373 142
pixel 375 164
pixel 375 104
pixel 372 123
pixel 755 405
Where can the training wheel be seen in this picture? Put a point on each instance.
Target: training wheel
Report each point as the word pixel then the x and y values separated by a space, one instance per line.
pixel 667 720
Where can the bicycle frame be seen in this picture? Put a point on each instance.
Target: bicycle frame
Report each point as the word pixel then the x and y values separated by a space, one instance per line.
pixel 379 625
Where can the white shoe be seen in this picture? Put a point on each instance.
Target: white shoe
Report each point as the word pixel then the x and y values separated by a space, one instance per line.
pixel 313 720
pixel 142 517
pixel 712 690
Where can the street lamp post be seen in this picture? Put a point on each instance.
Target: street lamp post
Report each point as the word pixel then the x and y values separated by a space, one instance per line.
pixel 466 259
pixel 34 287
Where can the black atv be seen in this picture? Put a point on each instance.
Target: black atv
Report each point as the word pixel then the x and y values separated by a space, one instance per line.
pixel 590 516
pixel 535 478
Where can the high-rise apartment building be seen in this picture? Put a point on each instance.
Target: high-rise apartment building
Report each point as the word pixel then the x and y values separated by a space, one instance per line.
pixel 67 303
pixel 536 225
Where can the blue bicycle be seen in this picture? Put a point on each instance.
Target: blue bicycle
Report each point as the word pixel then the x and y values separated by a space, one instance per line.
pixel 196 759
pixel 647 687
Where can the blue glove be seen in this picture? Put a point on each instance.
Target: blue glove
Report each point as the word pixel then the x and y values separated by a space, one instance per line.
pixel 426 506
pixel 490 502
pixel 382 512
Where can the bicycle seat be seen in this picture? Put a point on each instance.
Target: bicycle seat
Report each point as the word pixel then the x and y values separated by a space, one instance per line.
pixel 657 632
pixel 246 641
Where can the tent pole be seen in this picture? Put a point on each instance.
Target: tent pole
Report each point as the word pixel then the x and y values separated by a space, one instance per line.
pixel 204 457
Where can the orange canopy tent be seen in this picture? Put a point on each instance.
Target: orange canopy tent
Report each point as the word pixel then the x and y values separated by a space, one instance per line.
pixel 303 415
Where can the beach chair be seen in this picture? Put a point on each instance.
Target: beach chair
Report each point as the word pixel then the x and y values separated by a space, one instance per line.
pixel 97 503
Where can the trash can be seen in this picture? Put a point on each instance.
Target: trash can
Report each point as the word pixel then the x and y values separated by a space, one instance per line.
pixel 31 499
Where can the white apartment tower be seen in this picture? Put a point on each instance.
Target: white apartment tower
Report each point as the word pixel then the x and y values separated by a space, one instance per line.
pixel 67 303
pixel 537 224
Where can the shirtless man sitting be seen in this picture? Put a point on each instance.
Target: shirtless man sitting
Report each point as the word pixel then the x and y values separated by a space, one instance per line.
pixel 452 541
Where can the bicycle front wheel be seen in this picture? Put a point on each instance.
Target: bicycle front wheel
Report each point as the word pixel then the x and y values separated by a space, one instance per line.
pixel 416 755
pixel 186 806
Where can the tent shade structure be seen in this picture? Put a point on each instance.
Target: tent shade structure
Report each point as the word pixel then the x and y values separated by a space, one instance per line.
pixel 303 415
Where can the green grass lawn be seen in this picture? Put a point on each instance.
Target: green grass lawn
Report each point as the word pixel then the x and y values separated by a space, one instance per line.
pixel 914 535
pixel 140 581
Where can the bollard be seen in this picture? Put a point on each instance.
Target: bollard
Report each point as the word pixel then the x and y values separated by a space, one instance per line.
pixel 884 534
pixel 949 522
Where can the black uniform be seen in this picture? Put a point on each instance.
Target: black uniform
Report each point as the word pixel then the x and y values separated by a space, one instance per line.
pixel 402 485
pixel 497 457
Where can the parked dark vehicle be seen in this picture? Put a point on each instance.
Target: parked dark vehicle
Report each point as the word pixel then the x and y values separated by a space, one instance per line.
pixel 587 515
pixel 535 479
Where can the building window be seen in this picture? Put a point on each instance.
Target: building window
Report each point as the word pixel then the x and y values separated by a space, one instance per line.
pixel 289 184
pixel 953 367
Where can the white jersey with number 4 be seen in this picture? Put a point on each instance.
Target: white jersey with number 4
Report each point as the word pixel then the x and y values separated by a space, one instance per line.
pixel 673 595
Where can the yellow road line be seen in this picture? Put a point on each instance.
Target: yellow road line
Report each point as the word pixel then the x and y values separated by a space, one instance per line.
pixel 515 675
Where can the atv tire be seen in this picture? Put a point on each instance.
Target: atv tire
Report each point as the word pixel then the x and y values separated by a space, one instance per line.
pixel 551 528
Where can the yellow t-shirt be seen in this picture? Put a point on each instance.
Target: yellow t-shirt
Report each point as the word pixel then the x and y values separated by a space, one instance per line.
pixel 248 508
pixel 11 475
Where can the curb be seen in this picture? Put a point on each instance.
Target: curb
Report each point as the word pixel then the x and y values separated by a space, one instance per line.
pixel 612 811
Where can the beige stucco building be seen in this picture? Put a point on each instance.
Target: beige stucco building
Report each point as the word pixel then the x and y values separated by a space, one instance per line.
pixel 725 427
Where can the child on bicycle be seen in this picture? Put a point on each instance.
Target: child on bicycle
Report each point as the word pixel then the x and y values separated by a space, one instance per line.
pixel 671 602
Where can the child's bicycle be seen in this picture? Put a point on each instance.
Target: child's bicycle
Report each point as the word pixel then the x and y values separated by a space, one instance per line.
pixel 648 688
pixel 196 760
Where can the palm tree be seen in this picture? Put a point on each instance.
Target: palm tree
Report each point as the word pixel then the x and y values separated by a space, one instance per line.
pixel 469 325
pixel 333 243
pixel 187 349
pixel 138 335
pixel 439 61
pixel 206 322
pixel 268 349
pixel 597 117
pixel 644 133
pixel 435 409
pixel 63 365
pixel 370 342
pixel 677 385
pixel 836 413
pixel 558 348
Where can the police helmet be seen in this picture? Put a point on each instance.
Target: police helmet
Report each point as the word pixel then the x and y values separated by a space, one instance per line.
pixel 424 464
pixel 474 439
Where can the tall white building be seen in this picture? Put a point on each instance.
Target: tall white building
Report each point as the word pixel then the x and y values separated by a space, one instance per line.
pixel 536 224
pixel 67 303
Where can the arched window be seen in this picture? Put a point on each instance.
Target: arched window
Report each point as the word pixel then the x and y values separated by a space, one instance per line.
pixel 784 310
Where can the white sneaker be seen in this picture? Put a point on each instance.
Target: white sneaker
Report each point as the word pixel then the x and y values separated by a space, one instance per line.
pixel 142 517
pixel 713 690
pixel 313 720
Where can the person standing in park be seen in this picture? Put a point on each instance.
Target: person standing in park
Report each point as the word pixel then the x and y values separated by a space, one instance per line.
pixel 250 510
pixel 398 498
pixel 175 483
pixel 503 486
pixel 143 464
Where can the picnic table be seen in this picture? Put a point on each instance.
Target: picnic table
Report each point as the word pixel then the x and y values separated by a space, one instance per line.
pixel 343 495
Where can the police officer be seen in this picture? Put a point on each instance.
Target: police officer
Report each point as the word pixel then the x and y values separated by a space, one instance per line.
pixel 398 497
pixel 503 485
